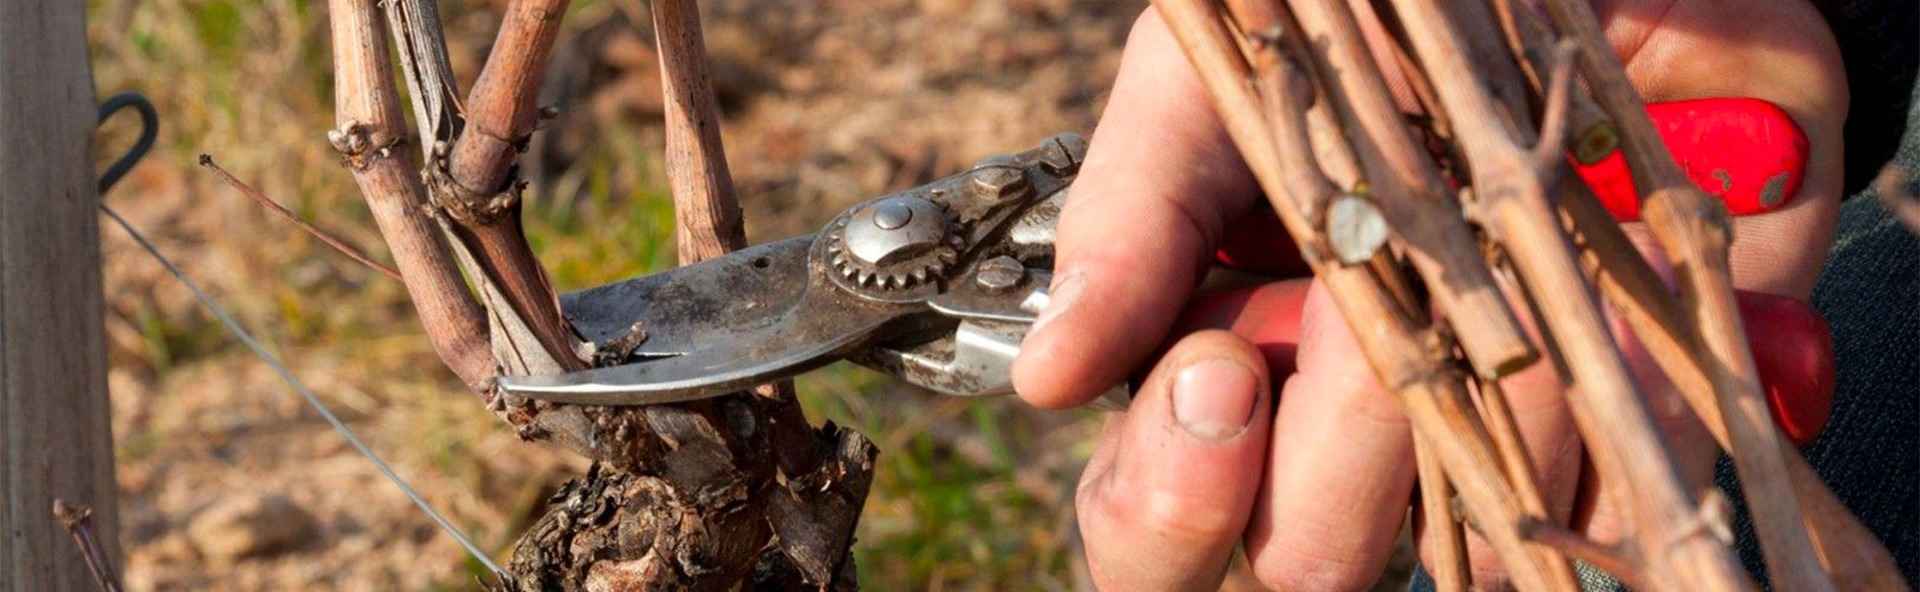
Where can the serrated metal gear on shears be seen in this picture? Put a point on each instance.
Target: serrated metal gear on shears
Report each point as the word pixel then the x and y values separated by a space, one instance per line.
pixel 936 285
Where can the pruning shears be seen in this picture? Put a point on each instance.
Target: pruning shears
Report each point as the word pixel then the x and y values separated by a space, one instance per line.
pixel 938 285
pixel 935 285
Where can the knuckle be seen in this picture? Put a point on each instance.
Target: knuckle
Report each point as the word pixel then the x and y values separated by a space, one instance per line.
pixel 1154 516
pixel 1296 568
pixel 1129 536
pixel 1185 518
pixel 1088 504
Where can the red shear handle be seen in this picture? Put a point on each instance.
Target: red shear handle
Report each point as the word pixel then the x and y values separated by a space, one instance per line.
pixel 1793 350
pixel 1747 152
pixel 1750 154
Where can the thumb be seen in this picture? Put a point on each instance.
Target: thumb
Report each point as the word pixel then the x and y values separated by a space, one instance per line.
pixel 1166 497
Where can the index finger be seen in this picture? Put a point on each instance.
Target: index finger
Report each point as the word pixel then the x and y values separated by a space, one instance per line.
pixel 1160 181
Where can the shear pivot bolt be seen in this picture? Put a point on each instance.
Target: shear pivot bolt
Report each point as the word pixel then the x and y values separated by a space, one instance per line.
pixel 892 215
pixel 895 229
pixel 1000 274
pixel 999 182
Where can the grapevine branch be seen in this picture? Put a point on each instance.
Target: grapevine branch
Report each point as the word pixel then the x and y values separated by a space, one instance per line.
pixel 682 495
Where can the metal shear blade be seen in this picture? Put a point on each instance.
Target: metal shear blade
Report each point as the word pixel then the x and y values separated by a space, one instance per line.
pixel 808 339
pixel 682 308
pixel 749 317
pixel 935 285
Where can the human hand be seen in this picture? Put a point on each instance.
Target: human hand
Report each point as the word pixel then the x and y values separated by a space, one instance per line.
pixel 1316 482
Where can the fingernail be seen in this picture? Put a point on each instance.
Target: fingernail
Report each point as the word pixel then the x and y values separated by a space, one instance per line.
pixel 1065 290
pixel 1213 399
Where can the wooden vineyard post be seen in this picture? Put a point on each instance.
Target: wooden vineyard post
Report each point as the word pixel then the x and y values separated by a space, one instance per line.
pixel 55 440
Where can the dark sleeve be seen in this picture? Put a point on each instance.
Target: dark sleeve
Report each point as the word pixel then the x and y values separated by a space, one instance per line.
pixel 1880 41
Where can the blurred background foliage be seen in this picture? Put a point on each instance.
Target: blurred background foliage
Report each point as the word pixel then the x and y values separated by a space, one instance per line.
pixel 229 483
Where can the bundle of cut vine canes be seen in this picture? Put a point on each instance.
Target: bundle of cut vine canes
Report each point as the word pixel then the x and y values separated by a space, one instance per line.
pixel 1309 110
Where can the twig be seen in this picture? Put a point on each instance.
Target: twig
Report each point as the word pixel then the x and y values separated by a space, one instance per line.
pixel 1619 432
pixel 78 520
pixel 275 207
pixel 709 224
pixel 1533 42
pixel 1514 458
pixel 1850 553
pixel 1655 317
pixel 706 210
pixel 1396 163
pixel 500 110
pixel 1405 359
pixel 472 183
pixel 1499 75
pixel 421 45
pixel 370 127
pixel 1406 184
pixel 1696 234
pixel 525 331
pixel 1409 68
pixel 1445 541
pixel 705 207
